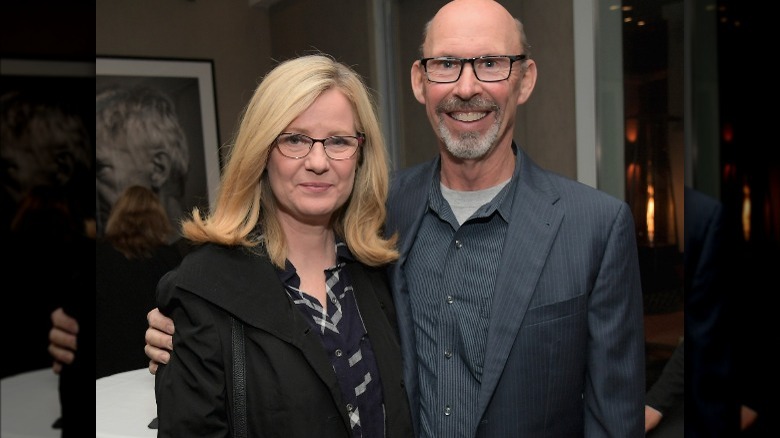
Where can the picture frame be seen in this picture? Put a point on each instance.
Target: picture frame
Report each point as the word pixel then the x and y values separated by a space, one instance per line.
pixel 189 83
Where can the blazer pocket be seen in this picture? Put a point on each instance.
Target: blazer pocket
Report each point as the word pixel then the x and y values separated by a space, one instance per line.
pixel 554 311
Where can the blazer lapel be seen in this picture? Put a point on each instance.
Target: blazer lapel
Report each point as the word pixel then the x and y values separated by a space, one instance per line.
pixel 532 229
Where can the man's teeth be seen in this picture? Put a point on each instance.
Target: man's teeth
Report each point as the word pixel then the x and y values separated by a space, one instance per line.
pixel 468 117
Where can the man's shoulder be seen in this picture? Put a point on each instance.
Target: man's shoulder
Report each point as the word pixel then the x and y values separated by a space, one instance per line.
pixel 568 189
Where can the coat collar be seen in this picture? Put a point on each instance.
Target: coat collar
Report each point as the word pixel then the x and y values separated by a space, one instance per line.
pixel 243 282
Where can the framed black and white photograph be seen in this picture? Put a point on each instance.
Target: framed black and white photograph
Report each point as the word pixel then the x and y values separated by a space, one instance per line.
pixel 156 125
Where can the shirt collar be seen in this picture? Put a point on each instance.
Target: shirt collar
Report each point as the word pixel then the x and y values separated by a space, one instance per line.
pixel 343 256
pixel 502 202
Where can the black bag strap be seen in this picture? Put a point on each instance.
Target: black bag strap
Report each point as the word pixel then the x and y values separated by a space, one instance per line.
pixel 239 379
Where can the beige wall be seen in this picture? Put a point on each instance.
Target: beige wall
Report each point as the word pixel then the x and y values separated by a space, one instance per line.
pixel 231 33
pixel 245 41
pixel 546 124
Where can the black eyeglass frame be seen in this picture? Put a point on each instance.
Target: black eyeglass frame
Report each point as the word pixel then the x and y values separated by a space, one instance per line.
pixel 463 61
pixel 361 138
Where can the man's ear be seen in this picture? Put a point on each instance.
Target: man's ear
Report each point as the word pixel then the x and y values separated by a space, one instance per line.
pixel 418 81
pixel 527 82
pixel 161 169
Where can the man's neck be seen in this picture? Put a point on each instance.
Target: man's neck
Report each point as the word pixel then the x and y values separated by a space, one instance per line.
pixel 468 175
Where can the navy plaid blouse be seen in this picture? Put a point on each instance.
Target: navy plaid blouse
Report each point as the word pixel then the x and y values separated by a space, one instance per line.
pixel 346 342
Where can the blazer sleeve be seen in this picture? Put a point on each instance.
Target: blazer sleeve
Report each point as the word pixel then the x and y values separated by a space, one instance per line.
pixel 191 389
pixel 615 381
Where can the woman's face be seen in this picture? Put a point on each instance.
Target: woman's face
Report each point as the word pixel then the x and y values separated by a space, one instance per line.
pixel 310 189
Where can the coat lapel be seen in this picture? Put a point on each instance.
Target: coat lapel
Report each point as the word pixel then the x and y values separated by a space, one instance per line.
pixel 532 229
pixel 244 283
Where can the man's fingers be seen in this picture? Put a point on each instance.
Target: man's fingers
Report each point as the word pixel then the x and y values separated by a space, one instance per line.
pixel 157 355
pixel 159 321
pixel 153 367
pixel 60 355
pixel 62 321
pixel 157 339
pixel 62 339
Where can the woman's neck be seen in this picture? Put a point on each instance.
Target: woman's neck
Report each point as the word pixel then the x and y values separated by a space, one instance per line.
pixel 310 247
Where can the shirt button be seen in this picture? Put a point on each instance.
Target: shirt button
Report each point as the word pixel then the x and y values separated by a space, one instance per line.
pixel 450 299
pixel 333 300
pixel 350 407
pixel 458 244
pixel 338 352
pixel 447 353
pixel 447 410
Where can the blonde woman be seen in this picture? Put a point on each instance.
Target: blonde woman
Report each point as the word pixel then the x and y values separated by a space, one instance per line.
pixel 293 251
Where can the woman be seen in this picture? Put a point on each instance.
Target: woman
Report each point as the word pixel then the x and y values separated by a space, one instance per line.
pixel 293 251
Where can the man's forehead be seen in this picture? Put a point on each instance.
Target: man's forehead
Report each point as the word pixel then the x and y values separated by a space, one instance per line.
pixel 471 39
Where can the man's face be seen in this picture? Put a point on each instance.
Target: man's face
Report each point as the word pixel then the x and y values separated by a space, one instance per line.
pixel 116 169
pixel 471 117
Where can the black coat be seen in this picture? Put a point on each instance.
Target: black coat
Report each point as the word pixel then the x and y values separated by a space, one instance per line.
pixel 291 387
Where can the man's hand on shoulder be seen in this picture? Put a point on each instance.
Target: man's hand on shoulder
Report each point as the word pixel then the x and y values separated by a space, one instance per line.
pixel 62 339
pixel 159 339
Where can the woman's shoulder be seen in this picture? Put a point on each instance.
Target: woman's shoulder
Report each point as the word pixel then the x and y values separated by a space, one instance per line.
pixel 210 254
pixel 221 266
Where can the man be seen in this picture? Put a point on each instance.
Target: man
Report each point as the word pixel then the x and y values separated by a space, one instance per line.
pixel 517 290
pixel 139 142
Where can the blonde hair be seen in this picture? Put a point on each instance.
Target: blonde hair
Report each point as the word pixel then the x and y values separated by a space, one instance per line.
pixel 138 223
pixel 245 210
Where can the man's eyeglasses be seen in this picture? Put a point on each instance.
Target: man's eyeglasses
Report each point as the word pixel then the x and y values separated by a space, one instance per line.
pixel 337 147
pixel 491 68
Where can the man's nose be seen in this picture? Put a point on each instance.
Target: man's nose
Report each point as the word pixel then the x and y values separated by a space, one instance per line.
pixel 468 84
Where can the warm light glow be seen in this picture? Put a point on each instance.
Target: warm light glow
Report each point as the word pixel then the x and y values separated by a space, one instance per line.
pixel 632 129
pixel 650 213
pixel 728 132
pixel 729 171
pixel 746 212
pixel 632 175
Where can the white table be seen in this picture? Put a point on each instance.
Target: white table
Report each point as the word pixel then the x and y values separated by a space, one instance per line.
pixel 30 405
pixel 125 405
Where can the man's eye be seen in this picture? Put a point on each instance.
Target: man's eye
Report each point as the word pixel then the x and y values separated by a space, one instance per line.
pixel 448 64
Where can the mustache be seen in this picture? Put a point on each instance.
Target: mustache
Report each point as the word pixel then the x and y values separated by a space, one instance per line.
pixel 474 104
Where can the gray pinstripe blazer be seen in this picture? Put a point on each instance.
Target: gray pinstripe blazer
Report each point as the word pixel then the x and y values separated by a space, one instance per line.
pixel 565 346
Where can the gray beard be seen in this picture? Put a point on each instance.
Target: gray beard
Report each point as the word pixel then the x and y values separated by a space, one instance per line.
pixel 470 145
